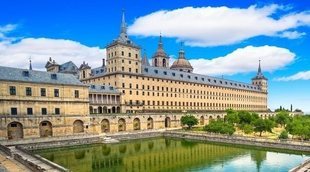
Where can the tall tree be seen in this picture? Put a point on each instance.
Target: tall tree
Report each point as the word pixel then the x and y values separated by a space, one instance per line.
pixel 189 120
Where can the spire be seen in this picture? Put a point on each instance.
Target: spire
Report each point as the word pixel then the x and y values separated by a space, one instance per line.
pixel 259 74
pixel 123 37
pixel 259 68
pixel 123 24
pixel 182 52
pixel 145 61
pixel 30 65
pixel 160 42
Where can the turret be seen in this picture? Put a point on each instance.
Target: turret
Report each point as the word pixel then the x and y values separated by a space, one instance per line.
pixel 52 66
pixel 122 54
pixel 160 58
pixel 260 80
pixel 84 70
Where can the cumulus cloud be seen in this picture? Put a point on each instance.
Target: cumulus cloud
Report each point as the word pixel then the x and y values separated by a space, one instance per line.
pixel 244 60
pixel 303 75
pixel 214 26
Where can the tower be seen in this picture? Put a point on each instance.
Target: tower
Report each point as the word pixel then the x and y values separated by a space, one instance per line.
pixel 84 70
pixel 160 58
pixel 122 54
pixel 181 64
pixel 52 66
pixel 260 80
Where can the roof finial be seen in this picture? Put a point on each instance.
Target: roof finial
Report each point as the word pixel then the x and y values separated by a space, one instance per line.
pixel 30 65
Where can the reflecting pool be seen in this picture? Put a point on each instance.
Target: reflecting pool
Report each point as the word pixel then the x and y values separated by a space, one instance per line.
pixel 167 154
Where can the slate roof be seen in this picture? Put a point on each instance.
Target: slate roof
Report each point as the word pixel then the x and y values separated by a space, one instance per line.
pixel 68 67
pixel 32 76
pixel 196 78
pixel 103 89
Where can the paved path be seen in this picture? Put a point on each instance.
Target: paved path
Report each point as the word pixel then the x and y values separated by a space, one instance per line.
pixel 10 165
pixel 33 160
pixel 304 167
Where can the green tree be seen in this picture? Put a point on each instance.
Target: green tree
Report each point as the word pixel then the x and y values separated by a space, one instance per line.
pixel 189 120
pixel 263 125
pixel 245 117
pixel 232 117
pixel 220 127
pixel 282 118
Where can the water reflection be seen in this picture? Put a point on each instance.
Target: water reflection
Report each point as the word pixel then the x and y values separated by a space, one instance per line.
pixel 164 154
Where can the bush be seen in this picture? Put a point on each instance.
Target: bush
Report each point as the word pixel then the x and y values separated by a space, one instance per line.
pixel 283 135
pixel 247 129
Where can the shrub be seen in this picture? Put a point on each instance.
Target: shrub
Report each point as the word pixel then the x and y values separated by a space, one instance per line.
pixel 283 135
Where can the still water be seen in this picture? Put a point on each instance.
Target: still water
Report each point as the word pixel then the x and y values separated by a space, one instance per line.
pixel 166 154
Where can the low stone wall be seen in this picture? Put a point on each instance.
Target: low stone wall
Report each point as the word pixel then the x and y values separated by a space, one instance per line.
pixel 5 150
pixel 303 167
pixel 299 146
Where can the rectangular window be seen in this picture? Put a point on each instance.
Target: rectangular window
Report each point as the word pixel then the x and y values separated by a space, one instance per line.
pixel 43 92
pixel 56 92
pixel 29 111
pixel 12 90
pixel 57 111
pixel 14 111
pixel 44 111
pixel 28 91
pixel 76 93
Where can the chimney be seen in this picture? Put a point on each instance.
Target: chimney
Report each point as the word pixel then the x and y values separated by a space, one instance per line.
pixel 103 62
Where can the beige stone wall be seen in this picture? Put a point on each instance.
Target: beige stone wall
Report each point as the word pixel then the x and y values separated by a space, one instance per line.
pixel 71 108
pixel 123 58
pixel 169 94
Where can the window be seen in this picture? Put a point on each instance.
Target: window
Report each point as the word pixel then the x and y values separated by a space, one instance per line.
pixel 54 76
pixel 146 69
pixel 12 90
pixel 156 71
pixel 14 111
pixel 26 73
pixel 56 92
pixel 136 70
pixel 123 68
pixel 43 111
pixel 43 92
pixel 57 111
pixel 29 111
pixel 129 54
pixel 76 93
pixel 28 91
pixel 122 53
pixel 129 69
pixel 165 73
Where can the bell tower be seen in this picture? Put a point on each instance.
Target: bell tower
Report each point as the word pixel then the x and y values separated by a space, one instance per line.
pixel 160 58
pixel 260 80
pixel 122 54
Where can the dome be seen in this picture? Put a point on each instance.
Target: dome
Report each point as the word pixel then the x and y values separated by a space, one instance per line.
pixel 181 64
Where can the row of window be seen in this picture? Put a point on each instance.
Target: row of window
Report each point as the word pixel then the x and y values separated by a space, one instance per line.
pixel 189 104
pixel 215 81
pixel 220 96
pixel 168 81
pixel 122 54
pixel 28 92
pixel 183 91
pixel 30 111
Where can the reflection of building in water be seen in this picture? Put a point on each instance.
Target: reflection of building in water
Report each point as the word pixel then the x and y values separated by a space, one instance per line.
pixel 152 155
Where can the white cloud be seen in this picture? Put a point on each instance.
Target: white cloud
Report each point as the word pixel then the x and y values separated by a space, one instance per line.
pixel 7 28
pixel 213 26
pixel 304 75
pixel 244 60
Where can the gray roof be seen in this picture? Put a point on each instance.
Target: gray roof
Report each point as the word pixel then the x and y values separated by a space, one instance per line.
pixel 68 67
pixel 98 71
pixel 103 89
pixel 16 74
pixel 152 71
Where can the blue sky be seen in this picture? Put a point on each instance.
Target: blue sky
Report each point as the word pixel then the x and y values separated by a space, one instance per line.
pixel 221 37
